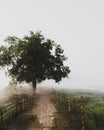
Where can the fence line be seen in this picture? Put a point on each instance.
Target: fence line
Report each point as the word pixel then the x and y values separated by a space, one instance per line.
pixel 88 119
pixel 10 111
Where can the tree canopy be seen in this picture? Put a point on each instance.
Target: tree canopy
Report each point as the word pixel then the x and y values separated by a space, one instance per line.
pixel 33 58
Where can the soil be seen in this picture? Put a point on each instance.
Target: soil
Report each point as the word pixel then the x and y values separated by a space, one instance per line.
pixel 45 110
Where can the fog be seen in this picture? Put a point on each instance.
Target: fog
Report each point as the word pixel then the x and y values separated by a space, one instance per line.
pixel 77 25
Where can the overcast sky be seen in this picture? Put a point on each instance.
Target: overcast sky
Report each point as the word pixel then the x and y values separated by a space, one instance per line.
pixel 77 25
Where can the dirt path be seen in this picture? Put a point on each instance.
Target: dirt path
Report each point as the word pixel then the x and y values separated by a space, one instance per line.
pixel 45 110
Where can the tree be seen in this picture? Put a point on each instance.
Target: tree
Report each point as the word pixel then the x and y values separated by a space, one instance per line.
pixel 33 59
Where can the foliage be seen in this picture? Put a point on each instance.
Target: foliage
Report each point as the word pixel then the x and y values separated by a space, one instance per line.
pixel 33 58
pixel 12 111
pixel 93 110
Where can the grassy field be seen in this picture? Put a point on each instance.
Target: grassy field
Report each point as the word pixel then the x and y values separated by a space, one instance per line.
pixel 93 110
pixel 12 109
pixel 24 120
pixel 68 104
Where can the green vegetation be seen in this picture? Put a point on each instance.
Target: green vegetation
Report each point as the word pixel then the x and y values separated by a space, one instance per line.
pixel 26 119
pixel 71 113
pixel 33 59
pixel 14 110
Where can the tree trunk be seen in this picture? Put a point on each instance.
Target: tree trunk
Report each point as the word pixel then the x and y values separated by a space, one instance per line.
pixel 34 86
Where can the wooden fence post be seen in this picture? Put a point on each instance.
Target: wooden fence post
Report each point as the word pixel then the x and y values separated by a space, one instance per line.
pixel 23 103
pixel 69 104
pixel 16 107
pixel 1 119
pixel 82 118
pixel 95 120
pixel 56 95
pixel 59 96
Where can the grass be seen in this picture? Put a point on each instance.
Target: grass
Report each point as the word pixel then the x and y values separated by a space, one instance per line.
pixel 26 119
pixel 12 112
pixel 93 104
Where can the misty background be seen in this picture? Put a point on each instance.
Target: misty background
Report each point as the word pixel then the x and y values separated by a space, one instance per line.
pixel 77 25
